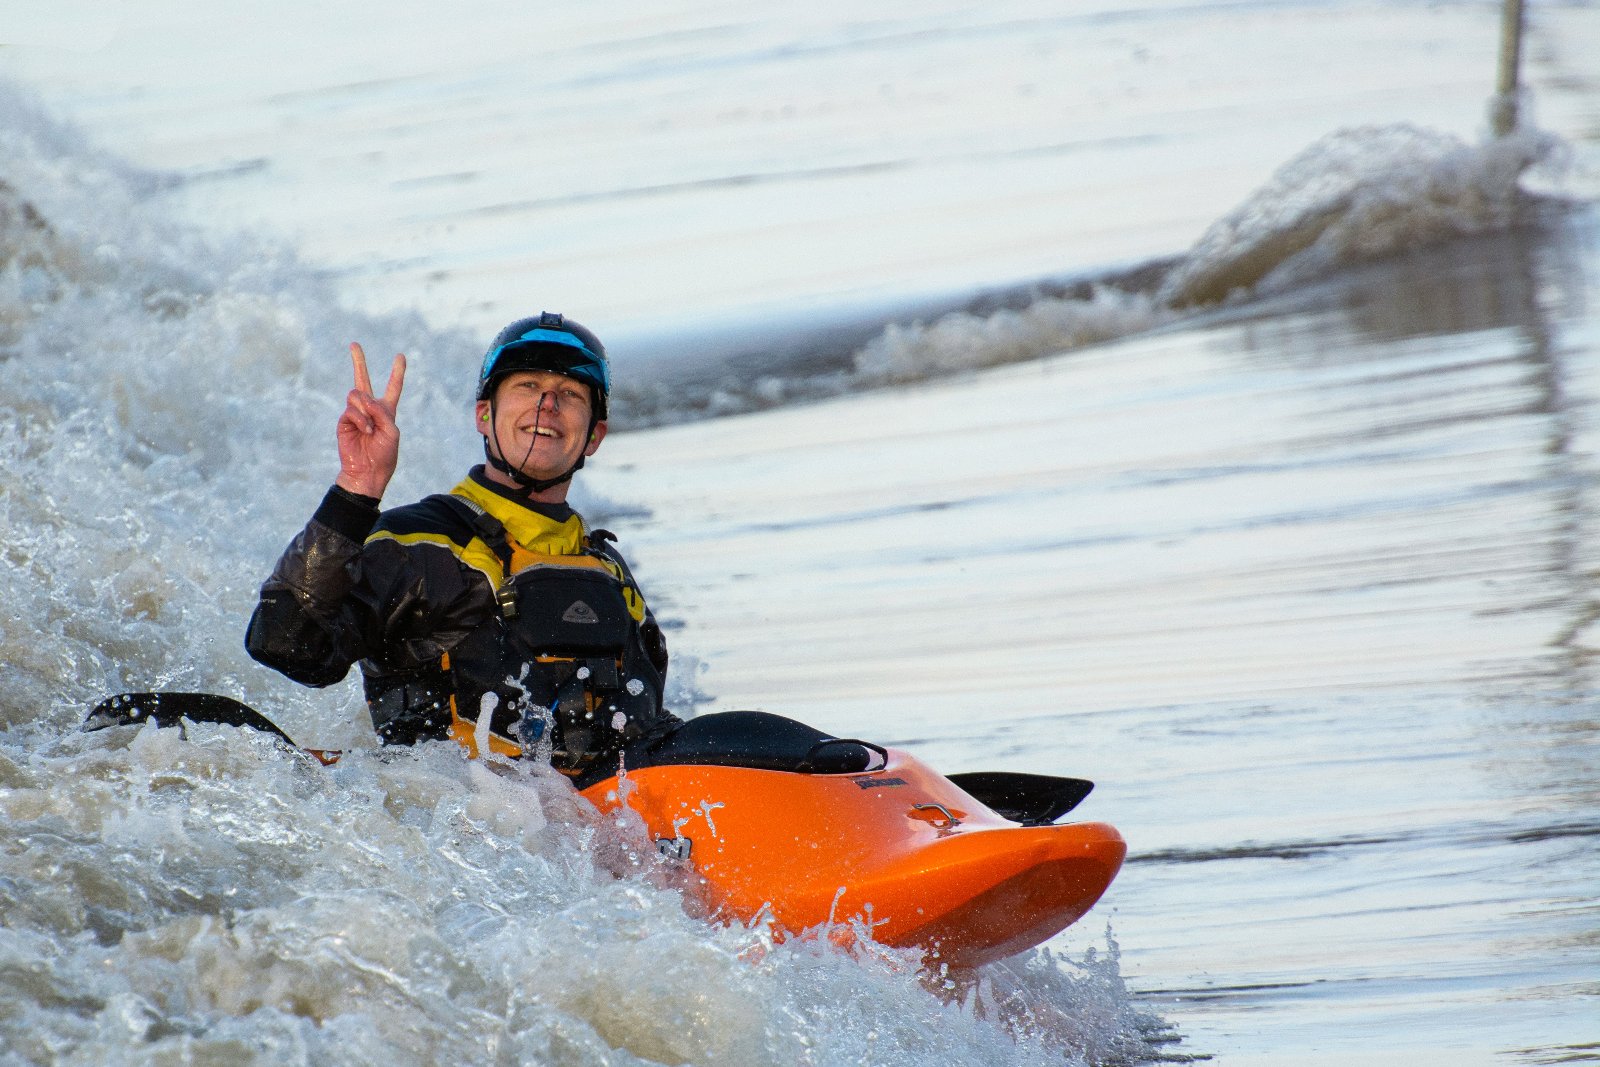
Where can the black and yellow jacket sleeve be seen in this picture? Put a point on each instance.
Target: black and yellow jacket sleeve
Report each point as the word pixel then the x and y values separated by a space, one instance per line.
pixel 333 599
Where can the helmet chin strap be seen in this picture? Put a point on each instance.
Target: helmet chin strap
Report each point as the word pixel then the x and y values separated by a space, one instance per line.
pixel 528 484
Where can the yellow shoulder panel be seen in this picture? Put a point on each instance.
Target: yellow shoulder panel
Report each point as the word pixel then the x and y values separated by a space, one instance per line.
pixel 477 555
pixel 528 529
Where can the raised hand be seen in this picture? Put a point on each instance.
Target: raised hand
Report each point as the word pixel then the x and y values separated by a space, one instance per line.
pixel 369 440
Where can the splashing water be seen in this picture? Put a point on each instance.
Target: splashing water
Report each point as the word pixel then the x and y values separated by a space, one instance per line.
pixel 213 896
pixel 166 405
pixel 965 341
pixel 1355 196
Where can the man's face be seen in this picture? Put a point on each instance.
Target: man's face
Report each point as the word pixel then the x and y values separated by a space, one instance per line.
pixel 540 423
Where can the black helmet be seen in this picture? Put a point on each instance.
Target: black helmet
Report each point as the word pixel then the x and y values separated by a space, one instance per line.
pixel 549 342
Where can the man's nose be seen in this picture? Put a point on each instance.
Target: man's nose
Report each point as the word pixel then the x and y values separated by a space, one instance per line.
pixel 550 401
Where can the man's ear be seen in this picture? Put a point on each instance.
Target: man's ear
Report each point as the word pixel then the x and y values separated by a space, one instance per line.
pixel 481 416
pixel 596 435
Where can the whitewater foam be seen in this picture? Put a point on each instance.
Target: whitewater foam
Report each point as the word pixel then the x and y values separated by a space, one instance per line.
pixel 1355 196
pixel 166 407
pixel 214 895
pixel 964 341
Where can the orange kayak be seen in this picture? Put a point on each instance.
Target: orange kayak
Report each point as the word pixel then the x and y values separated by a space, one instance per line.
pixel 816 833
pixel 901 850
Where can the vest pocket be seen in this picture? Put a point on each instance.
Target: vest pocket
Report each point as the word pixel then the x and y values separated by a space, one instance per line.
pixel 569 611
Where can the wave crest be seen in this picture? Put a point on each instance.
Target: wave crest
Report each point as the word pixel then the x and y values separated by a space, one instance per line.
pixel 1354 196
pixel 1357 195
pixel 965 341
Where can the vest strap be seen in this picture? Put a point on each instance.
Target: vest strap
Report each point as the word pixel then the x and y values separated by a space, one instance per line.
pixel 490 530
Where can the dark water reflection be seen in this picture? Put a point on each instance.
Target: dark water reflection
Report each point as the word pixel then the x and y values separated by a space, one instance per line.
pixel 1537 284
pixel 1466 930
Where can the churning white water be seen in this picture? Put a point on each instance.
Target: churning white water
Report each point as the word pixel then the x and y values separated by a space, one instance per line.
pixel 217 899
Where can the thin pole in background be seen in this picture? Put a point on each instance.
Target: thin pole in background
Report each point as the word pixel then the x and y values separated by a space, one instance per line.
pixel 1508 86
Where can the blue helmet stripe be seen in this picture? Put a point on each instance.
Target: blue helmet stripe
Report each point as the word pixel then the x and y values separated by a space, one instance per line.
pixel 595 370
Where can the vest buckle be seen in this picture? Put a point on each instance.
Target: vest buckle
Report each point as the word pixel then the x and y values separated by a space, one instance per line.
pixel 506 597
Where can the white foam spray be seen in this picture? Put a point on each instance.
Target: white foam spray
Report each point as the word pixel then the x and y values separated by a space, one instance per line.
pixel 167 401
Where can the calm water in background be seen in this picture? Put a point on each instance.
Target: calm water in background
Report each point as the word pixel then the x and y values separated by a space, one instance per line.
pixel 722 161
pixel 1308 590
pixel 1305 584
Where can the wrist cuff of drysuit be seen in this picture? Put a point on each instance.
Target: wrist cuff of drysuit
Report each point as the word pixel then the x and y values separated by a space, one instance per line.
pixel 349 514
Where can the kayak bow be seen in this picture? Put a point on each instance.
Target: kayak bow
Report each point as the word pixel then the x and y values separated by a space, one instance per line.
pixel 901 850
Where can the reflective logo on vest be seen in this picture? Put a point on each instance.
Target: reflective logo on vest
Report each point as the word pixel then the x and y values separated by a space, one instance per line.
pixel 580 612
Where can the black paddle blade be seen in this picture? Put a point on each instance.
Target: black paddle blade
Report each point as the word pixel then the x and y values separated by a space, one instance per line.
pixel 1031 799
pixel 168 709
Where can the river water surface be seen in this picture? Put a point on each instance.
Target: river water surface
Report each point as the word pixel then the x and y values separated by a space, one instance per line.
pixel 1308 589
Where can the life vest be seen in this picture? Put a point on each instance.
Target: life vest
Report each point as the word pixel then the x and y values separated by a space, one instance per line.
pixel 565 669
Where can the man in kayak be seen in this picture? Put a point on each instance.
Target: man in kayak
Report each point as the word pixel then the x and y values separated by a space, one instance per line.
pixel 493 613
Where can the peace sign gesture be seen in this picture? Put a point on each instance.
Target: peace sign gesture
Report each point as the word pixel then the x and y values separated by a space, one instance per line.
pixel 369 440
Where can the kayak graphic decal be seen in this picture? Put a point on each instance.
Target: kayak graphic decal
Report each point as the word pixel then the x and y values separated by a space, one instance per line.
pixel 674 848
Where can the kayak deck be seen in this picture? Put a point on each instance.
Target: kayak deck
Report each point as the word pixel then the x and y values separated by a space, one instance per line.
pixel 901 850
